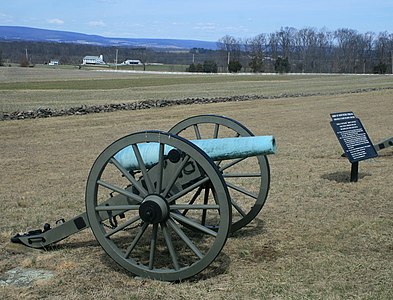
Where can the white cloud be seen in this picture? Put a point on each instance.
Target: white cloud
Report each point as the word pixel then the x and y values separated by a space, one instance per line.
pixel 97 23
pixel 205 26
pixel 56 21
pixel 107 1
pixel 4 18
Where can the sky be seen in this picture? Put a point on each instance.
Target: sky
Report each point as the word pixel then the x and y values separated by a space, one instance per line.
pixel 207 20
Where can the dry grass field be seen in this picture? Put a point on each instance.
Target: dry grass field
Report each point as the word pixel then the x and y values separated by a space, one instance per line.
pixel 32 88
pixel 317 237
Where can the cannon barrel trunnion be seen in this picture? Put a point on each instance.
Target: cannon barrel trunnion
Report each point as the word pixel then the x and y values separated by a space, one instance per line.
pixel 162 204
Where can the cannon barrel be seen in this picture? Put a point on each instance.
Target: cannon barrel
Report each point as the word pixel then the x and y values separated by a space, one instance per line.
pixel 216 149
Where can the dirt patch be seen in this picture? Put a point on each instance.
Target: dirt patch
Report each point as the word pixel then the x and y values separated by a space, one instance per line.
pixel 24 277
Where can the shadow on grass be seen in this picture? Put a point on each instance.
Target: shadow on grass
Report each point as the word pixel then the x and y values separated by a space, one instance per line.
pixel 385 154
pixel 219 266
pixel 73 245
pixel 255 227
pixel 343 176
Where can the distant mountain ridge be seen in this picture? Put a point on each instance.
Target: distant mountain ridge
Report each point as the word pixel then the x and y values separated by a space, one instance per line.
pixel 19 33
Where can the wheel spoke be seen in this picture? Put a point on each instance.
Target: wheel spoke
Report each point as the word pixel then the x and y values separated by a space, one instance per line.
pixel 193 199
pixel 175 176
pixel 197 132
pixel 216 128
pixel 168 241
pixel 238 208
pixel 185 238
pixel 240 175
pixel 153 243
pixel 241 190
pixel 160 168
pixel 117 207
pixel 122 226
pixel 131 178
pixel 136 240
pixel 232 163
pixel 192 223
pixel 195 206
pixel 143 168
pixel 205 201
pixel 120 191
pixel 188 189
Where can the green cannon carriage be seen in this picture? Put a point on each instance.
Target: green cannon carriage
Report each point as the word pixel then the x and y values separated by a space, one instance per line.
pixel 162 204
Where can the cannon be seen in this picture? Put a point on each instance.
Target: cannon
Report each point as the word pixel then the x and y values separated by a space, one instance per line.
pixel 162 204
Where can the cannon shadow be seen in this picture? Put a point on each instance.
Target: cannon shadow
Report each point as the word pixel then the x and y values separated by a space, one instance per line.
pixel 219 266
pixel 73 245
pixel 256 227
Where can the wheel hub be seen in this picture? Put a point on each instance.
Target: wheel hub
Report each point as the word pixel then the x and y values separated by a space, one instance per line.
pixel 154 209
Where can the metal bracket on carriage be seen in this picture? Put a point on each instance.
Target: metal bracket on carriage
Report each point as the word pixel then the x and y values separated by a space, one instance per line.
pixel 112 218
pixel 33 235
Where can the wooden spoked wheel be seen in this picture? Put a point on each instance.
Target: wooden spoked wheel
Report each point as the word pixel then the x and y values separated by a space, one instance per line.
pixel 247 179
pixel 145 207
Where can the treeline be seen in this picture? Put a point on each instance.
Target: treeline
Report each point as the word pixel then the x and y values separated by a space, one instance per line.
pixel 314 51
pixel 307 50
pixel 72 53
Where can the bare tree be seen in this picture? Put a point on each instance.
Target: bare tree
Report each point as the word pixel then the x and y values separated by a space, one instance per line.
pixel 273 45
pixel 384 46
pixel 231 47
pixel 368 41
pixel 225 43
pixel 256 47
pixel 348 45
pixel 326 47
pixel 286 40
pixel 306 46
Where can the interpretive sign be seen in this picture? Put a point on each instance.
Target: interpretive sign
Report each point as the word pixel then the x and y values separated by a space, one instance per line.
pixel 353 138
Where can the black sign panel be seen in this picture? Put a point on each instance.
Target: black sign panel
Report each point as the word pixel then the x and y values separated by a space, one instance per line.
pixel 352 137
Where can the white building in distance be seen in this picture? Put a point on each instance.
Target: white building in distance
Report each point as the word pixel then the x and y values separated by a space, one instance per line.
pixel 54 62
pixel 93 60
pixel 132 62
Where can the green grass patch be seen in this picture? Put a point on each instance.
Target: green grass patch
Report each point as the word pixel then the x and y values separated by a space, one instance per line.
pixel 133 82
pixel 32 88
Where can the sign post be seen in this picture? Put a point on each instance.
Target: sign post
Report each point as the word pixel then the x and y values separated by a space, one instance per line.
pixel 353 139
pixel 354 171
